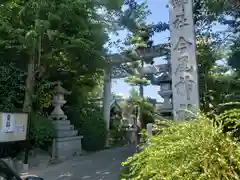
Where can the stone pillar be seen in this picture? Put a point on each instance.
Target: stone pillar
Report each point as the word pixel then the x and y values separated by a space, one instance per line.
pixel 150 130
pixel 183 58
pixel 107 96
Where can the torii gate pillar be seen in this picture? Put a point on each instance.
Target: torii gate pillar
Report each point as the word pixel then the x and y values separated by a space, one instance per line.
pixel 107 96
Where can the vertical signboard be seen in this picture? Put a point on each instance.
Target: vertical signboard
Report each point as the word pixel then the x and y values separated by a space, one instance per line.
pixel 13 126
pixel 183 59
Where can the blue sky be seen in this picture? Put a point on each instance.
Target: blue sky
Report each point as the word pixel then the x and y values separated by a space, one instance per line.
pixel 159 13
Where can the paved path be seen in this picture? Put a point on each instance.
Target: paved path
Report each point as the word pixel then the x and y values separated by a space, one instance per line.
pixel 103 165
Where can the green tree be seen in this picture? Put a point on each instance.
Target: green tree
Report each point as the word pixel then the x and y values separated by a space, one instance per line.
pixel 218 83
pixel 139 38
pixel 138 103
pixel 43 39
pixel 207 56
pixel 226 13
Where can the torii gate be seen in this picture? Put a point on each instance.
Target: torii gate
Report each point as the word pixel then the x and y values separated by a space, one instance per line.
pixel 183 62
pixel 115 71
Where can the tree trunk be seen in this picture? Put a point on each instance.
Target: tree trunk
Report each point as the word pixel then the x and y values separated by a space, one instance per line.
pixel 29 86
pixel 27 105
pixel 141 93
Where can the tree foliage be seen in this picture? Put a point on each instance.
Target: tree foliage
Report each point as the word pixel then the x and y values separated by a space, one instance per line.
pixel 219 81
pixel 148 109
pixel 45 41
pixel 63 40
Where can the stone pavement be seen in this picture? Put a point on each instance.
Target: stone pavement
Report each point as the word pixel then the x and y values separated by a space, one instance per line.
pixel 103 165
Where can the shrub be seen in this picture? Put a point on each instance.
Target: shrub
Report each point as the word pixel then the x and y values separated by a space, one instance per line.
pixel 148 112
pixel 42 131
pixel 117 133
pixel 230 122
pixel 77 117
pixel 94 130
pixel 88 120
pixel 185 151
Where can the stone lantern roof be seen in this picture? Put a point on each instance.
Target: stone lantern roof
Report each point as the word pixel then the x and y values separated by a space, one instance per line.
pixel 60 90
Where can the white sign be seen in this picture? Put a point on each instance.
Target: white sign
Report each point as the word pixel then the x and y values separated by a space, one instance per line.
pixel 19 128
pixel 8 123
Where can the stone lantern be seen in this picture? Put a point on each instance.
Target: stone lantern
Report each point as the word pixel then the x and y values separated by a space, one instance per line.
pixel 58 101
pixel 162 77
pixel 67 142
pixel 166 91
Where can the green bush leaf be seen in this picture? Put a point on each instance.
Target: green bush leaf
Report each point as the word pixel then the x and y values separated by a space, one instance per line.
pixel 189 150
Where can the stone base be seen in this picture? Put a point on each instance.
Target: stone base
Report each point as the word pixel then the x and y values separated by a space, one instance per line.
pixel 67 147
